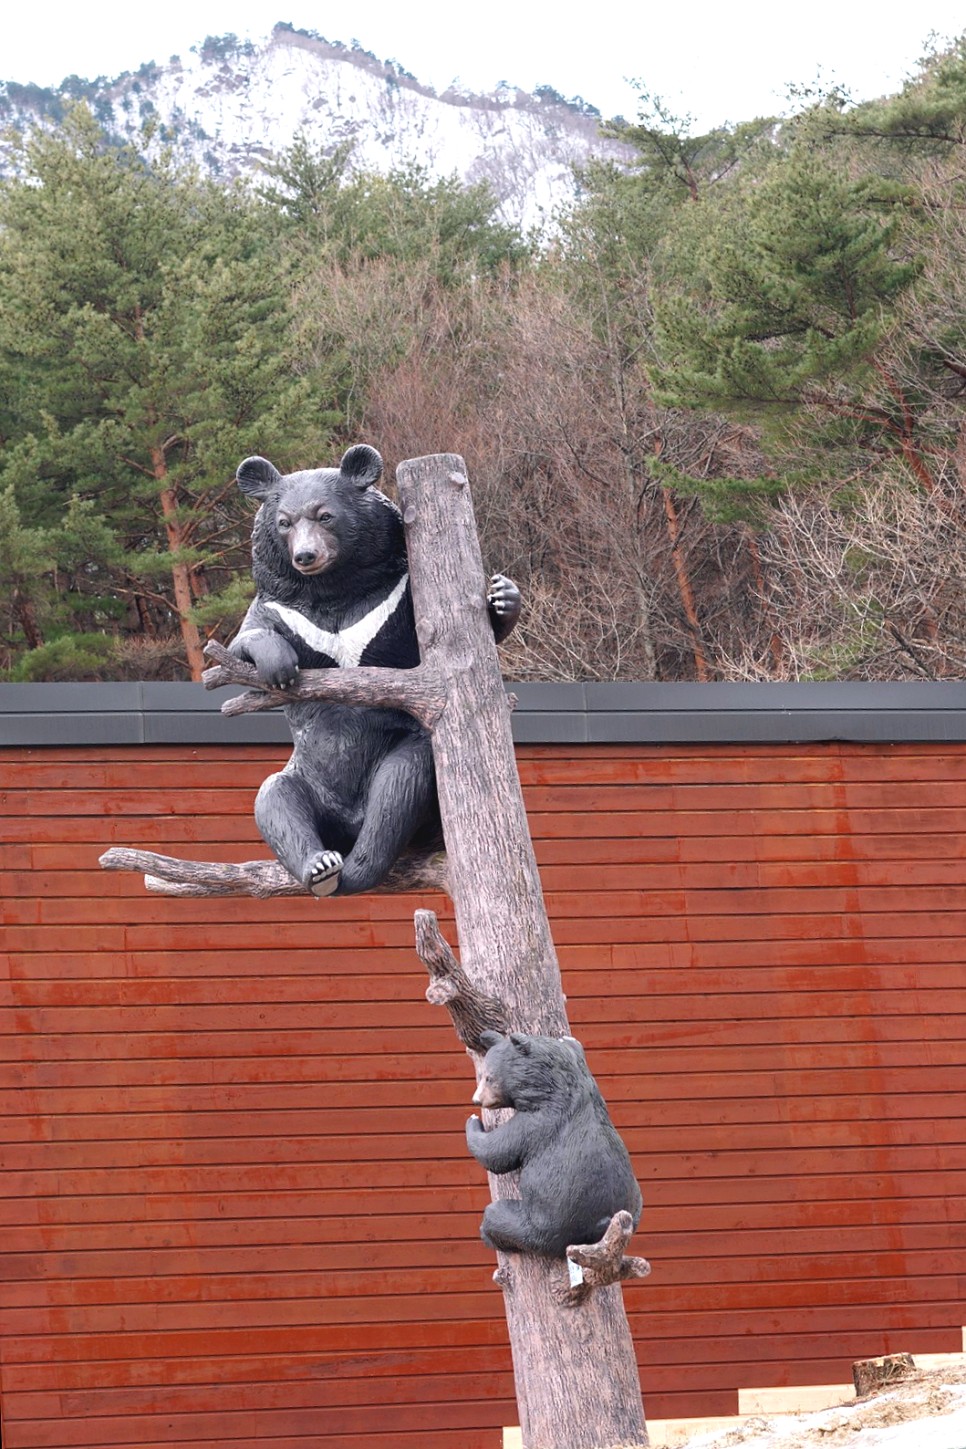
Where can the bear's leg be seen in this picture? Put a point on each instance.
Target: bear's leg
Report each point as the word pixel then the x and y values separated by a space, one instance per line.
pixel 401 794
pixel 288 817
pixel 506 1226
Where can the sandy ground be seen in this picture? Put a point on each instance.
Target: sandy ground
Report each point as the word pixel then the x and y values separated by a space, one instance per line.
pixel 927 1411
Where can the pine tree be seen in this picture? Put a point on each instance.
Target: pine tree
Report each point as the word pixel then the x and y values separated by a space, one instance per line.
pixel 335 213
pixel 145 346
pixel 777 303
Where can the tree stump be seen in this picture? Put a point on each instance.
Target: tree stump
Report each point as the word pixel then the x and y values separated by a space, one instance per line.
pixel 869 1374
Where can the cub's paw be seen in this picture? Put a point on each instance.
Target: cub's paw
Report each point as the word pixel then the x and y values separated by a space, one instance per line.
pixel 324 873
pixel 503 597
pixel 473 1125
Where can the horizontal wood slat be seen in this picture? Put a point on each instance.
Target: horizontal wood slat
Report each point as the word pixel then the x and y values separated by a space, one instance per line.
pixel 236 1207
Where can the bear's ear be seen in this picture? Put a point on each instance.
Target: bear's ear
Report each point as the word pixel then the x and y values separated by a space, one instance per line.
pixel 489 1039
pixel 362 465
pixel 521 1042
pixel 257 477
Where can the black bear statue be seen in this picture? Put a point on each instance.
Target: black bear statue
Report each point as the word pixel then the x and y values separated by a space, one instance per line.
pixel 575 1172
pixel 330 568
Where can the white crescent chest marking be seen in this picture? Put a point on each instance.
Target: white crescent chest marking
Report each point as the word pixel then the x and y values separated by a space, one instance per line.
pixel 348 645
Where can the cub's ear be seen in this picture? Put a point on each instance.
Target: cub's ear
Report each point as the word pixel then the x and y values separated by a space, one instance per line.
pixel 362 465
pixel 521 1042
pixel 257 477
pixel 489 1039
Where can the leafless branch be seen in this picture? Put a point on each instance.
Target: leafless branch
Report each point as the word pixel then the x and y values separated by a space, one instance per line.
pixel 170 876
pixel 417 691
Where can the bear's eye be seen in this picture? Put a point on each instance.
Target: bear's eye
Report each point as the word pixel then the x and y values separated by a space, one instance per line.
pixel 283 524
pixel 323 517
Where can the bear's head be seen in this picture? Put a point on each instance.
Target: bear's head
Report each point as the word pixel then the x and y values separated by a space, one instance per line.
pixel 319 522
pixel 530 1072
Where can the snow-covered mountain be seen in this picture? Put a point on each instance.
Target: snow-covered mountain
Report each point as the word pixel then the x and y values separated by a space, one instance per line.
pixel 230 104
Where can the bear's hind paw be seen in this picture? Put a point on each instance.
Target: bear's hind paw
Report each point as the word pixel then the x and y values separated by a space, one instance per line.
pixel 324 874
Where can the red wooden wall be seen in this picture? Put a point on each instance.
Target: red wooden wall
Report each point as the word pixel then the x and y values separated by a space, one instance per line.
pixel 237 1208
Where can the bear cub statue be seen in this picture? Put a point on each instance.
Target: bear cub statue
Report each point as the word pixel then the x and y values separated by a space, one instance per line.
pixel 329 563
pixel 575 1172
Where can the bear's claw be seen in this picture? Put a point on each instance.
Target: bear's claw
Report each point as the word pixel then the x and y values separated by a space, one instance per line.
pixel 503 596
pixel 325 872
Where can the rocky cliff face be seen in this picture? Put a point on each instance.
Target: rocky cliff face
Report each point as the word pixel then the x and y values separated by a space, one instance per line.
pixel 231 104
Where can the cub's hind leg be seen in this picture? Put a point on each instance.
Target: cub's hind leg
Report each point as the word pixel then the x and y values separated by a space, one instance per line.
pixel 506 1226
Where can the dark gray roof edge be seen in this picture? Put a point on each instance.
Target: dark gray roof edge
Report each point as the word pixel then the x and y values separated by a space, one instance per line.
pixel 598 713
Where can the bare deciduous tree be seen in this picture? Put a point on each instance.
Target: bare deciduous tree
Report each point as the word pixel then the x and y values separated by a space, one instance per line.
pixel 624 580
pixel 869 585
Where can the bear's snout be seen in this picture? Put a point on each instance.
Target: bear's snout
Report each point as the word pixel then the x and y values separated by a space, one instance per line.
pixel 310 547
pixel 486 1095
pixel 305 560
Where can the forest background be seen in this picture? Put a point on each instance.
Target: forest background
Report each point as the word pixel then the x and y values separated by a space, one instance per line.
pixel 713 423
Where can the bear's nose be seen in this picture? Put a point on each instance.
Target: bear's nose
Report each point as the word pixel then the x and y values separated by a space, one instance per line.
pixel 305 557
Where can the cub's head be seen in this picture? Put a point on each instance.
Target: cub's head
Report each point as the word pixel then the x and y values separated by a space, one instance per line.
pixel 529 1072
pixel 314 521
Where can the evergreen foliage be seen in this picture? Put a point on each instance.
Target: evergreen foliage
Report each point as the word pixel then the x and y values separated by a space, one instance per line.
pixel 144 344
pixel 790 282
pixel 406 215
pixel 928 116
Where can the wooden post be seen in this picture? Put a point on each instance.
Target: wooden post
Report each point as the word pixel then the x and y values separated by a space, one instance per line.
pixel 576 1375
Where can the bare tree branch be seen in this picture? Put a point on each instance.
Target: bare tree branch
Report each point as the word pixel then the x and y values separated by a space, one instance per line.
pixel 471 1010
pixel 597 1264
pixel 170 876
pixel 417 691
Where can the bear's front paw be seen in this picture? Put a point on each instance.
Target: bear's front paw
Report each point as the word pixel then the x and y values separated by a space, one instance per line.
pixel 473 1126
pixel 324 873
pixel 277 664
pixel 504 597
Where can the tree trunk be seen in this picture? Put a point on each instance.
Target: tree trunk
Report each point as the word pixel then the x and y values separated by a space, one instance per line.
pixel 148 628
pixel 576 1376
pixel 685 590
pixel 180 572
pixel 776 643
pixel 28 620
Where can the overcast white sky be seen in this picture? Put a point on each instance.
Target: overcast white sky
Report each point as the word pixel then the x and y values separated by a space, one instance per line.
pixel 717 62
